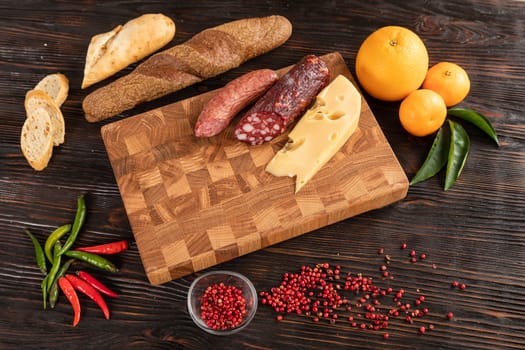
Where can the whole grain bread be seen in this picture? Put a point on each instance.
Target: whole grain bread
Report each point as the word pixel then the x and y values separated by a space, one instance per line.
pixel 207 54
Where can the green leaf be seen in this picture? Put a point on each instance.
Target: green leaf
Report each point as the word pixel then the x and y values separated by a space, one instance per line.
pixel 457 154
pixel 436 158
pixel 477 119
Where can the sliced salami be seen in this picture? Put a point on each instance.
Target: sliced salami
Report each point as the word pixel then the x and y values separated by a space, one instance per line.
pixel 283 102
pixel 260 127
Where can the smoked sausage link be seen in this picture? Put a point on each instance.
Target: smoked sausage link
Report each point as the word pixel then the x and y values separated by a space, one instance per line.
pixel 283 102
pixel 234 97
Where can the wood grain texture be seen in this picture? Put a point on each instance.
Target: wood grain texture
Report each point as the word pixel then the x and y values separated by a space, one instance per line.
pixel 194 203
pixel 474 232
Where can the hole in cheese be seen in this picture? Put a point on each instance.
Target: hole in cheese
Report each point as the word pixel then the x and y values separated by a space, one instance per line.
pixel 293 145
pixel 335 115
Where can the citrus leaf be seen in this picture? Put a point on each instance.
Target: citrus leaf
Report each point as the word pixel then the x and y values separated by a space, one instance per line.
pixel 476 119
pixel 457 154
pixel 436 158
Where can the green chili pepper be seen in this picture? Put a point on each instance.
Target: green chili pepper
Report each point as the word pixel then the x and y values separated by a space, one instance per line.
pixel 93 259
pixel 53 238
pixel 43 285
pixel 51 276
pixel 53 291
pixel 476 119
pixel 457 155
pixel 80 217
pixel 436 158
pixel 39 253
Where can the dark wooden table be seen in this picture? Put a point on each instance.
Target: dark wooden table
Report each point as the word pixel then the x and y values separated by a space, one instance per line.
pixel 474 233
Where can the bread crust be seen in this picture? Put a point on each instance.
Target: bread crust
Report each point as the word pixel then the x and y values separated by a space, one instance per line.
pixel 207 54
pixel 110 52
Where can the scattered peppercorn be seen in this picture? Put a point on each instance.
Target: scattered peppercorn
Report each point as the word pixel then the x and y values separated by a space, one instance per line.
pixel 324 292
pixel 450 315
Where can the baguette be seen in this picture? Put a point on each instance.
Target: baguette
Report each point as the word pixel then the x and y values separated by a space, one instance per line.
pixel 36 140
pixel 56 86
pixel 207 54
pixel 39 99
pixel 110 52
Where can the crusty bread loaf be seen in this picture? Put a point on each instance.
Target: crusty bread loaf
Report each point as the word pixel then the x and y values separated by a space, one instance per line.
pixel 113 51
pixel 39 99
pixel 207 54
pixel 36 140
pixel 56 86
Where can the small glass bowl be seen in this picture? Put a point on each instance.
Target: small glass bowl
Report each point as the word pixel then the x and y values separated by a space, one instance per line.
pixel 229 278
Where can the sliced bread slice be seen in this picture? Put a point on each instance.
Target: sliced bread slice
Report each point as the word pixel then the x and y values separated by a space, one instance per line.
pixel 36 140
pixel 39 99
pixel 56 86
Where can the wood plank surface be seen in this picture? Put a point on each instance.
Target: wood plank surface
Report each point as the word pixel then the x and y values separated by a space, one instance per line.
pixel 474 233
pixel 194 203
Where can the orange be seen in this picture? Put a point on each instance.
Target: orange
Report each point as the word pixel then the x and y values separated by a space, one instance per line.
pixel 422 112
pixel 449 80
pixel 391 63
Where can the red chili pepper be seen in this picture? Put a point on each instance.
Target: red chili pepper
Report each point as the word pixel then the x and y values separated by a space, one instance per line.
pixel 87 289
pixel 96 284
pixel 72 296
pixel 108 248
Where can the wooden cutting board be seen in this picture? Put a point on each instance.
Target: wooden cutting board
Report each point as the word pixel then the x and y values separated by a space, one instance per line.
pixel 194 203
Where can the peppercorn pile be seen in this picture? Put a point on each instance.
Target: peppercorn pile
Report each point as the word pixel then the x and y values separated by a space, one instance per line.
pixel 326 293
pixel 57 276
pixel 223 306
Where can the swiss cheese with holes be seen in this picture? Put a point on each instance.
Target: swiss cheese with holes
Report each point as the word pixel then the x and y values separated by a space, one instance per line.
pixel 320 133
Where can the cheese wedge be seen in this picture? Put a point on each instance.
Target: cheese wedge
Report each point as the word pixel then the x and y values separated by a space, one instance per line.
pixel 320 133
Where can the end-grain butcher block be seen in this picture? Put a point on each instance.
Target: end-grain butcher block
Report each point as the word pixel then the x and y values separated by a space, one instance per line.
pixel 196 202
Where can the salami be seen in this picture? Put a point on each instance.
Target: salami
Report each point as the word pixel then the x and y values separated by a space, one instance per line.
pixel 234 97
pixel 283 102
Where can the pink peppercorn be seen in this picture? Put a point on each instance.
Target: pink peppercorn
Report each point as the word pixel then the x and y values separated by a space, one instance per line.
pixel 223 306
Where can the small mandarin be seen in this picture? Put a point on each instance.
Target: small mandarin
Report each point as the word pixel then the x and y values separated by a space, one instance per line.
pixel 422 112
pixel 449 80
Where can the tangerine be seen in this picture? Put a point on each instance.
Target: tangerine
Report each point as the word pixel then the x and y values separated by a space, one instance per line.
pixel 391 63
pixel 422 112
pixel 449 80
